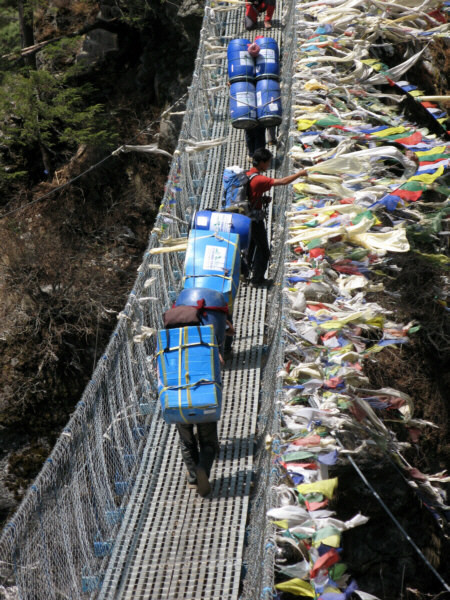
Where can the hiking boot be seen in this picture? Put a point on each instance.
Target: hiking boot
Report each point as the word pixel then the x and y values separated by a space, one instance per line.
pixel 203 485
pixel 191 481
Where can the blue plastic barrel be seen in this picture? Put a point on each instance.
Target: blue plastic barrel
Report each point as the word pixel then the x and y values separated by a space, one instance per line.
pixel 216 318
pixel 243 105
pixel 268 102
pixel 241 65
pixel 268 59
pixel 213 261
pixel 224 221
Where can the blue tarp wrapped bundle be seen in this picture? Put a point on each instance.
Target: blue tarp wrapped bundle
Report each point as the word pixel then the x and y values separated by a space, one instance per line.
pixel 189 380
pixel 213 261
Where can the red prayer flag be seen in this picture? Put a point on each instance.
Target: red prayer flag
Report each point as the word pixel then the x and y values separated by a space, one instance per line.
pixel 324 562
pixel 409 195
pixel 310 440
pixel 315 505
pixel 411 140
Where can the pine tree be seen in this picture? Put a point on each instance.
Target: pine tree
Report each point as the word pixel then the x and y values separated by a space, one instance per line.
pixel 43 110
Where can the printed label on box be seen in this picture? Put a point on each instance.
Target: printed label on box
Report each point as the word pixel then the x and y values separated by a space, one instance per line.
pixel 245 58
pixel 202 221
pixel 268 54
pixel 215 258
pixel 244 99
pixel 220 222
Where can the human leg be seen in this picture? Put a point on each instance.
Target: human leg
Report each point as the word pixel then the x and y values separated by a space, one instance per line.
pixel 270 9
pixel 228 340
pixel 251 16
pixel 209 446
pixel 255 138
pixel 250 141
pixel 260 137
pixel 261 253
pixel 189 449
pixel 271 135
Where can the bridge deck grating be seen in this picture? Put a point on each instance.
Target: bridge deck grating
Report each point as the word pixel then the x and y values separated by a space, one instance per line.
pixel 173 544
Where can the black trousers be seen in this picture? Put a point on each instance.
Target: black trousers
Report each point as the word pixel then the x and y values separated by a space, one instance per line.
pixel 255 138
pixel 258 250
pixel 198 454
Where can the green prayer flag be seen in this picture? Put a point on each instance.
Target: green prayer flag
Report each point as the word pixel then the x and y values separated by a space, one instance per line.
pixel 413 186
pixel 327 121
pixel 314 243
pixel 300 455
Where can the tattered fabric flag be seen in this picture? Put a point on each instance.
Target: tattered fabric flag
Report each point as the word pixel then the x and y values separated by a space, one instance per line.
pixel 327 560
pixel 331 536
pixel 411 140
pixel 434 158
pixel 304 124
pixel 310 440
pixel 391 201
pixel 435 150
pixel 297 587
pixel 351 588
pixel 326 487
pixel 390 131
pixel 411 190
pixel 312 506
pixel 294 456
pixel 328 459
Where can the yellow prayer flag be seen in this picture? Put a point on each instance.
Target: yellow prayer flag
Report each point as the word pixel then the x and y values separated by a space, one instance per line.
pixel 303 124
pixel 284 524
pixel 332 540
pixel 298 187
pixel 374 63
pixel 331 590
pixel 376 321
pixel 324 486
pixel 297 587
pixel 389 131
pixel 428 178
pixel 435 150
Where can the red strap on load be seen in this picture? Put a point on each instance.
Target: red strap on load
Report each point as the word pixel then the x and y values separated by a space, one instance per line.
pixel 201 305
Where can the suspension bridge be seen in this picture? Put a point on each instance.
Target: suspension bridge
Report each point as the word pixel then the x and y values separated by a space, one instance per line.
pixel 110 515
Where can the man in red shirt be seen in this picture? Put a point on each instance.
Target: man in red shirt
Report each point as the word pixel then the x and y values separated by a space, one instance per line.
pixel 258 251
pixel 254 8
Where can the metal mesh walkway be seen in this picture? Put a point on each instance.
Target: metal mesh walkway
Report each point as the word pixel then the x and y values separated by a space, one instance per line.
pixel 175 544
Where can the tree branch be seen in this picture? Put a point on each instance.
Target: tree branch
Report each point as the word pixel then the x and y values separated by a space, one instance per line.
pixel 112 25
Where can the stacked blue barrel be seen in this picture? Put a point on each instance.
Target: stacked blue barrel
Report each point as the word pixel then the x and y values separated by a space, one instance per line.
pixel 254 73
pixel 190 384
pixel 241 75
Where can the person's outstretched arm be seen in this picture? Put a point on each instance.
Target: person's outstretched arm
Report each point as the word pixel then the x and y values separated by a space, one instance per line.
pixel 290 178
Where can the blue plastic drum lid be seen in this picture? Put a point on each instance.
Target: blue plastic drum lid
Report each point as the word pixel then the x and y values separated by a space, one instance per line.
pixel 268 59
pixel 268 102
pixel 241 65
pixel 243 105
pixel 221 221
pixel 216 318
